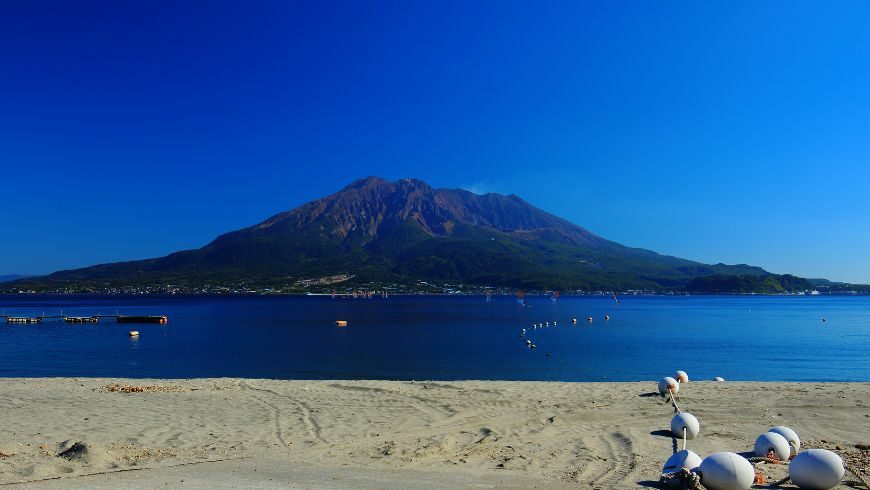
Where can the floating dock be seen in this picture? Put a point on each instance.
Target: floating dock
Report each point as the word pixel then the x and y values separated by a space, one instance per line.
pixel 141 319
pixel 87 319
pixel 23 319
pixel 81 319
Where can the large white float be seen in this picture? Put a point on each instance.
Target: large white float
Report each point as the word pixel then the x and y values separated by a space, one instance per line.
pixel 682 459
pixel 816 468
pixel 687 421
pixel 772 443
pixel 791 436
pixel 726 471
pixel 668 384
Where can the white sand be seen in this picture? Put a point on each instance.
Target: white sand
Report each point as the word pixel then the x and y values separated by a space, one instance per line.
pixel 225 433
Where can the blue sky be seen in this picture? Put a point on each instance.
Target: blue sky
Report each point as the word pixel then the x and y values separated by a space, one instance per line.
pixel 716 131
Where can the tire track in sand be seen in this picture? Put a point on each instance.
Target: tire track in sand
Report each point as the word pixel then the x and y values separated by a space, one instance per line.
pixel 620 458
pixel 311 425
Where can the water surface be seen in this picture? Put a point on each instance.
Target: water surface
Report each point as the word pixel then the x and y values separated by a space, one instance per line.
pixel 761 338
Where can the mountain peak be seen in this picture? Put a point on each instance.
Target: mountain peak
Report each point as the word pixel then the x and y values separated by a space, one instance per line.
pixel 369 209
pixel 375 182
pixel 364 182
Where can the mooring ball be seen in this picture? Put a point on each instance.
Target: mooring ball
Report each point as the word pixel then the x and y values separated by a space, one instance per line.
pixel 688 421
pixel 790 436
pixel 816 468
pixel 682 459
pixel 682 377
pixel 771 441
pixel 726 471
pixel 668 383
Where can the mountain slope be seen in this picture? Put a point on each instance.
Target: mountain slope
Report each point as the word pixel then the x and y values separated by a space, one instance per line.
pixel 12 277
pixel 405 231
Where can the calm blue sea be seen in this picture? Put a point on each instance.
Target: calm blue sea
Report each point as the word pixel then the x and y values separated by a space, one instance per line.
pixel 447 338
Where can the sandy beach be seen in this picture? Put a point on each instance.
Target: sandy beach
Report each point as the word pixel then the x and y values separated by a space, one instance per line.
pixel 223 433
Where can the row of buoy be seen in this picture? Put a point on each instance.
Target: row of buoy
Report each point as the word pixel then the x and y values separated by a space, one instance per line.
pixel 573 320
pixel 812 468
pixel 536 326
pixel 589 319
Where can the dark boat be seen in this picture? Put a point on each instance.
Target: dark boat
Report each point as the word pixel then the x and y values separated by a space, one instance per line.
pixel 142 319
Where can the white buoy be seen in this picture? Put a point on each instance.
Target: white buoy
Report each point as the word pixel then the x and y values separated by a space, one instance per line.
pixel 791 436
pixel 726 471
pixel 528 342
pixel 607 317
pixel 772 442
pixel 816 468
pixel 682 459
pixel 554 324
pixel 134 333
pixel 687 421
pixel 668 384
pixel 682 377
pixel 718 378
pixel 589 319
pixel 533 346
pixel 573 320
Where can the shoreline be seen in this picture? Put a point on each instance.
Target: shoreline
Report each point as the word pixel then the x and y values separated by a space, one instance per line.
pixel 395 434
pixel 729 381
pixel 5 293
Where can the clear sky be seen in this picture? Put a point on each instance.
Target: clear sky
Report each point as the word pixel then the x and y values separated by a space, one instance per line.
pixel 717 131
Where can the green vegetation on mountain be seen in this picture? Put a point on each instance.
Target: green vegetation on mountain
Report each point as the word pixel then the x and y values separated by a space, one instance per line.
pixel 766 284
pixel 405 231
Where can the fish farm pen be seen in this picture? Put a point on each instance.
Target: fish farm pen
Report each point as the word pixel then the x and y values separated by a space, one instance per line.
pixel 161 319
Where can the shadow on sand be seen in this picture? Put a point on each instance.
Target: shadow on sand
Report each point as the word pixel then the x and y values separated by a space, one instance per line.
pixel 649 484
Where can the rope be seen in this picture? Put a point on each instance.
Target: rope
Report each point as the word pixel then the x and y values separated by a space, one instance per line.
pixel 684 438
pixel 683 480
pixel 858 475
pixel 766 459
pixel 674 401
pixel 780 482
